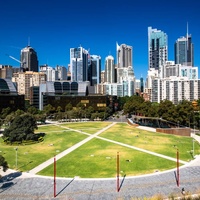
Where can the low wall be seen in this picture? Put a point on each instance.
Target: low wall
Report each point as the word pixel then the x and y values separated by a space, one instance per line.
pixel 130 122
pixel 175 131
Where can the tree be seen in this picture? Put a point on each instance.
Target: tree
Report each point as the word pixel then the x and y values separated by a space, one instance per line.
pixel 133 105
pixel 5 112
pixel 32 110
pixel 3 163
pixel 49 109
pixel 22 128
pixel 68 107
pixel 167 110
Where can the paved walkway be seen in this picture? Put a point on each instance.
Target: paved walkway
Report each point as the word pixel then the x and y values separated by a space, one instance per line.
pixel 14 185
pixel 64 153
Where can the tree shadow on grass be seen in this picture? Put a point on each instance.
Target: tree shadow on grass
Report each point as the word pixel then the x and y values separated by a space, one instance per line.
pixel 64 187
pixel 122 183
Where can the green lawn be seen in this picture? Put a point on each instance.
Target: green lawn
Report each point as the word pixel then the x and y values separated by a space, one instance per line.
pixel 88 127
pixel 55 141
pixel 156 142
pixel 97 158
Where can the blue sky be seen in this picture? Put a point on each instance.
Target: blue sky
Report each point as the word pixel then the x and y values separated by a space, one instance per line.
pixel 55 26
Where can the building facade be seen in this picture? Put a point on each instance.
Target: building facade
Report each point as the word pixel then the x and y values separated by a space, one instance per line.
pixel 124 55
pixel 79 64
pixel 26 80
pixel 9 98
pixel 94 70
pixel 109 69
pixel 184 51
pixel 175 90
pixel 60 93
pixel 29 60
pixel 171 69
pixel 157 48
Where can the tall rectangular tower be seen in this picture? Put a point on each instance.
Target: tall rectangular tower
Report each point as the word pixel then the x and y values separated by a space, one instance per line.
pixel 124 55
pixel 29 60
pixel 94 70
pixel 109 69
pixel 157 48
pixel 79 64
pixel 184 51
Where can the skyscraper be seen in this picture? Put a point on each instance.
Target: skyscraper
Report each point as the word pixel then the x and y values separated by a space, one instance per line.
pixel 157 48
pixel 29 60
pixel 124 55
pixel 124 63
pixel 94 70
pixel 79 64
pixel 184 51
pixel 109 69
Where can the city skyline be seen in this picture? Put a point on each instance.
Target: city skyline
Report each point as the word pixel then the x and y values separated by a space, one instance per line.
pixel 53 28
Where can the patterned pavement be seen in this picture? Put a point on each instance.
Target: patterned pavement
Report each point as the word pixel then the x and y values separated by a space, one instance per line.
pixel 15 186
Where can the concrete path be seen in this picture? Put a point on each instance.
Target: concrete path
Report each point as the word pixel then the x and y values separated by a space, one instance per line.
pixel 15 186
pixel 162 184
pixel 67 151
pixel 64 153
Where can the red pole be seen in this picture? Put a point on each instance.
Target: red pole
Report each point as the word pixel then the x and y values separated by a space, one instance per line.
pixel 177 168
pixel 117 171
pixel 54 176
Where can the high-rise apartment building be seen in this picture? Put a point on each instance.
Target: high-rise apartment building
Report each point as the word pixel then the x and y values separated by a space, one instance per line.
pixel 157 48
pixel 29 60
pixel 26 80
pixel 109 69
pixel 94 69
pixel 170 69
pixel 184 51
pixel 79 64
pixel 124 55
pixel 51 73
pixel 62 72
pixel 6 71
pixel 124 63
pixel 175 90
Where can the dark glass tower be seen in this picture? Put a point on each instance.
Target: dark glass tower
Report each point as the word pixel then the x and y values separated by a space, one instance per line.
pixel 184 51
pixel 157 48
pixel 29 60
pixel 94 70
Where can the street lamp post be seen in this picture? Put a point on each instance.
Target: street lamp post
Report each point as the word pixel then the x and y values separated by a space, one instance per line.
pixel 193 147
pixel 16 157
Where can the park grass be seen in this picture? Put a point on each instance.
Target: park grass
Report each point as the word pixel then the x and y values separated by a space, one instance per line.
pixel 97 159
pixel 88 127
pixel 157 142
pixel 89 159
pixel 30 156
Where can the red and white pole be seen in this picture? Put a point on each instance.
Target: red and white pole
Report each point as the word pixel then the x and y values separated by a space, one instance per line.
pixel 117 171
pixel 54 176
pixel 177 155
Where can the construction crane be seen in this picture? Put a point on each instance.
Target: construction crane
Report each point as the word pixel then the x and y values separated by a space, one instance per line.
pixel 21 63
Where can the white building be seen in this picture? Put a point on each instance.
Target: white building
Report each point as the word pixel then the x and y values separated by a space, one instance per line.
pixel 175 89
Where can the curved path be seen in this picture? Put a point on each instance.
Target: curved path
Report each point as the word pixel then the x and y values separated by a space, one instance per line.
pixel 29 186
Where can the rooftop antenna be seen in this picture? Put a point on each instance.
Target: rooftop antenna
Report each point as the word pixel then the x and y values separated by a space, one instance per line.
pixel 29 41
pixel 187 44
pixel 109 53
